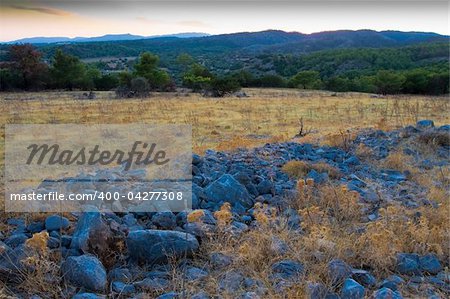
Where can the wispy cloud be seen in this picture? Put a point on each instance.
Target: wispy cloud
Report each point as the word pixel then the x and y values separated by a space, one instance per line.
pixel 193 23
pixel 44 10
pixel 149 21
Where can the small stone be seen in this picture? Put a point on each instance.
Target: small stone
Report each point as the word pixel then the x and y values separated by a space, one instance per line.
pixel 430 264
pixel 352 290
pixel 219 260
pixel 87 296
pixel 425 124
pixel 385 293
pixel 364 277
pixel 287 270
pixel 120 274
pixel 16 240
pixel 165 220
pixel 408 263
pixel 194 273
pixel 123 288
pixel 152 284
pixel 171 295
pixel 56 222
pixel 36 227
pixel 231 282
pixel 338 271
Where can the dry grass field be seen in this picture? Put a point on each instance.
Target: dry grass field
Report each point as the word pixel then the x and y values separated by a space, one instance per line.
pixel 271 115
pixel 227 123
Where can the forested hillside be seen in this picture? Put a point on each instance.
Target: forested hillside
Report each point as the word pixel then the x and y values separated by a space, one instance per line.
pixel 364 60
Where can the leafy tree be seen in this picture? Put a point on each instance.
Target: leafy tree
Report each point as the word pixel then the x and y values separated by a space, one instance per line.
pixel 306 80
pixel 388 82
pixel 67 71
pixel 27 62
pixel 223 86
pixel 416 81
pixel 244 78
pixel 197 78
pixel 269 81
pixel 10 79
pixel 184 60
pixel 125 79
pixel 363 84
pixel 106 82
pixel 147 67
pixel 140 86
pixel 338 84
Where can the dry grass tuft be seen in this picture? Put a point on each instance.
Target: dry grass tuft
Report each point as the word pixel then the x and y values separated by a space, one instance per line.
pixel 434 138
pixel 299 169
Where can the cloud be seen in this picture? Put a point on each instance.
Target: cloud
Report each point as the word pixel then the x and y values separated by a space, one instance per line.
pixel 44 10
pixel 193 23
pixel 149 21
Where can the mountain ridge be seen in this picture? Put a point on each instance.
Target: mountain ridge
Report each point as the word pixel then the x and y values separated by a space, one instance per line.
pixel 106 37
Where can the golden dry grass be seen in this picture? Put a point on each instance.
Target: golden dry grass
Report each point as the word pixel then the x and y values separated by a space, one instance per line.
pixel 331 214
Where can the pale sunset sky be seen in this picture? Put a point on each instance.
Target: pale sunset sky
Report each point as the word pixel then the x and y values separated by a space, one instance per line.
pixel 71 18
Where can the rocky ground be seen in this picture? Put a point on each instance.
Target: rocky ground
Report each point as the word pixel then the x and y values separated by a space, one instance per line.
pixel 235 194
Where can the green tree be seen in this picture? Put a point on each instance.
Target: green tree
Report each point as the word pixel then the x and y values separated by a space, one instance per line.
pixel 67 71
pixel 197 78
pixel 306 80
pixel 244 77
pixel 147 67
pixel 389 82
pixel 185 61
pixel 416 81
pixel 106 82
pixel 338 84
pixel 223 86
pixel 10 79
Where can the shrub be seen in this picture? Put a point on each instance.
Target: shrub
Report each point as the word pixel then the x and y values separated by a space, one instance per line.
pixel 223 86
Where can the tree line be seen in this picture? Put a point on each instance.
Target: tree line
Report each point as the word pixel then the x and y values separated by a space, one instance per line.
pixel 25 69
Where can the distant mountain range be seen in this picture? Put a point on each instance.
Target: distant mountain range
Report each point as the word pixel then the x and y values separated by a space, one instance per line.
pixel 103 38
pixel 213 48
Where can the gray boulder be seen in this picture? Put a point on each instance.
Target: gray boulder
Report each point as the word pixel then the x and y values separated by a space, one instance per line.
pixel 338 271
pixel 56 222
pixel 165 220
pixel 152 246
pixel 89 223
pixel 227 189
pixel 425 124
pixel 352 289
pixel 85 271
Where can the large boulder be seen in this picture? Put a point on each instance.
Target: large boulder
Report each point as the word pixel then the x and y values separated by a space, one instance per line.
pixel 91 231
pixel 85 271
pixel 228 189
pixel 152 246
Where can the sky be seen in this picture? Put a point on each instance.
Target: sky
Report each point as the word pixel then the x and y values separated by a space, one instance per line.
pixel 71 18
